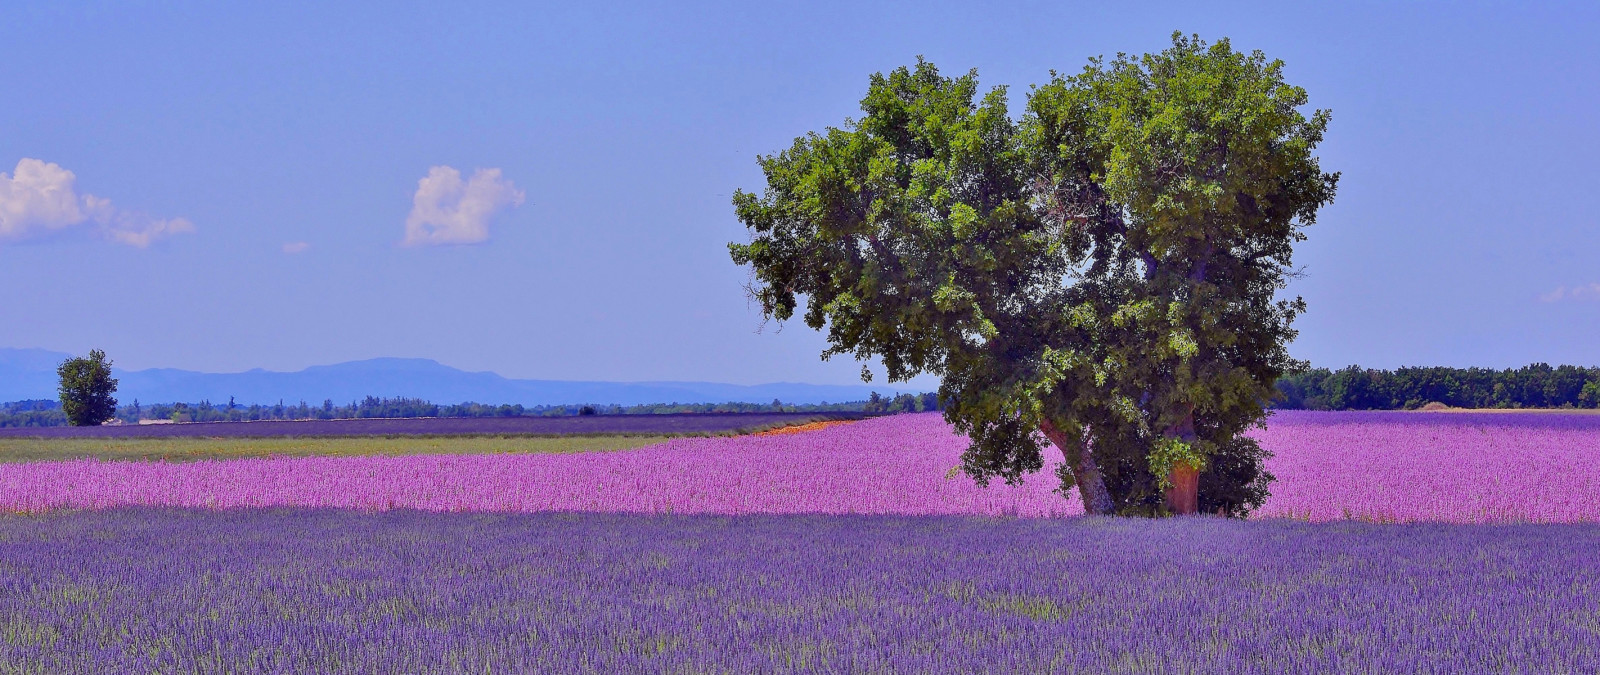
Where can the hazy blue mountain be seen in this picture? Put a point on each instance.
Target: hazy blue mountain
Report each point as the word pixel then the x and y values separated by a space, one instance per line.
pixel 30 373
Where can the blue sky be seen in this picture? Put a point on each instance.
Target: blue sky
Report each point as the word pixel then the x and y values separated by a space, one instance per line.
pixel 253 171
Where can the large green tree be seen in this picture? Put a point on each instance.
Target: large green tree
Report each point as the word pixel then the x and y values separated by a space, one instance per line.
pixel 1193 172
pixel 1100 273
pixel 86 389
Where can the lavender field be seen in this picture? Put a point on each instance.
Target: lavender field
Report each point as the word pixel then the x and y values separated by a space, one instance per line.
pixel 331 591
pixel 1459 467
pixel 1393 542
pixel 1384 467
pixel 894 465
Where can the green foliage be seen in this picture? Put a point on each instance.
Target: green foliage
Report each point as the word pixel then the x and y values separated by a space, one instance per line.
pixel 1235 479
pixel 86 389
pixel 32 413
pixel 911 234
pixel 1355 388
pixel 1105 268
pixel 1234 482
pixel 1590 396
pixel 902 403
pixel 197 449
pixel 1191 173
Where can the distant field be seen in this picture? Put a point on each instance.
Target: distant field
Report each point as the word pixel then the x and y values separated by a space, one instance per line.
pixel 1375 466
pixel 1529 411
pixel 645 425
pixel 191 449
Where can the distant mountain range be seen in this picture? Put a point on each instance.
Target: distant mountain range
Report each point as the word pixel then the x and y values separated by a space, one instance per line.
pixel 31 374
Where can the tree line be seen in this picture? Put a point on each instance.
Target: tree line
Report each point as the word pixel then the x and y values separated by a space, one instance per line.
pixel 1538 385
pixel 87 387
pixel 1355 388
pixel 48 413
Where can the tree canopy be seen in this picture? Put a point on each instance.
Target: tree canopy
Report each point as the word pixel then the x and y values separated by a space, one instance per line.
pixel 1100 272
pixel 86 389
pixel 1535 385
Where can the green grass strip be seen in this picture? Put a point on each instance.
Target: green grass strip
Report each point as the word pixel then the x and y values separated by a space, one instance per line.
pixel 193 449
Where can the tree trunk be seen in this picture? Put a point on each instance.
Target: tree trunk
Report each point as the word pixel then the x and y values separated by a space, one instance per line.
pixel 1091 485
pixel 1184 496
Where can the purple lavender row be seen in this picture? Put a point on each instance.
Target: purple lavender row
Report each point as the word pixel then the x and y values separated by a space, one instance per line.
pixel 1458 467
pixel 898 464
pixel 1544 468
pixel 295 591
pixel 689 423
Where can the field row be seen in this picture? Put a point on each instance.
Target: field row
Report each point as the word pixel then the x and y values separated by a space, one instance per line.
pixel 648 425
pixel 328 591
pixel 1329 466
pixel 15 450
pixel 898 464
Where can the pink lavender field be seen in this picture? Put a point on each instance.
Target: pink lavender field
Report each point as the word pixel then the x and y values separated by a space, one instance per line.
pixel 1330 466
pixel 1453 467
pixel 892 465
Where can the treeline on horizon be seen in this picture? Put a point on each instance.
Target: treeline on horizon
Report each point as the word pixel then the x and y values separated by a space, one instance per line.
pixel 1355 388
pixel 1539 385
pixel 48 413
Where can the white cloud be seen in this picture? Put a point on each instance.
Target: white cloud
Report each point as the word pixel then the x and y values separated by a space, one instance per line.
pixel 1589 292
pixel 447 210
pixel 141 231
pixel 296 247
pixel 41 197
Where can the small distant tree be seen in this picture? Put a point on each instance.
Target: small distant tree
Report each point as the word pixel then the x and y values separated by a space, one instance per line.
pixel 86 389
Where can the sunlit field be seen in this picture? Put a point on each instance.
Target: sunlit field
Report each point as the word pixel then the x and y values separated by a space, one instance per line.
pixel 339 591
pixel 1393 542
pixel 195 449
pixel 902 464
pixel 1381 467
pixel 1456 467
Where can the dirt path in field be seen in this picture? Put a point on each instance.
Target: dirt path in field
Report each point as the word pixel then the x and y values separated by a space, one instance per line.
pixel 802 428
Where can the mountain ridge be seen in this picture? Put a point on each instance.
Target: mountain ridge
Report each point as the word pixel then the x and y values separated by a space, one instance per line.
pixel 30 374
